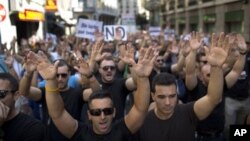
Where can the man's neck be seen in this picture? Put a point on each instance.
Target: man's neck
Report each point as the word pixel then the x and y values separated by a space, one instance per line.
pixel 13 113
pixel 64 89
pixel 162 116
pixel 158 70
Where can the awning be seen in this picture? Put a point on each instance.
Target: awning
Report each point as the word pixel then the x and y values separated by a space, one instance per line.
pixel 31 15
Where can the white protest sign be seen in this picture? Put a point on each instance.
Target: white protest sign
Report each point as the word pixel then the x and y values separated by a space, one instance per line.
pixel 128 19
pixel 169 33
pixel 86 28
pixel 154 31
pixel 110 32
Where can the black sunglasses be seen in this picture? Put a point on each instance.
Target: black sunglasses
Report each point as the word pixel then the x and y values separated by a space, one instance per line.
pixel 63 75
pixel 105 68
pixel 98 112
pixel 3 93
pixel 160 60
pixel 204 62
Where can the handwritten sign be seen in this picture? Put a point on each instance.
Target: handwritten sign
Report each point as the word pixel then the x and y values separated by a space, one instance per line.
pixel 86 28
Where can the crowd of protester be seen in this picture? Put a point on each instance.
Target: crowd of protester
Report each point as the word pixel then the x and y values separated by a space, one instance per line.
pixel 190 87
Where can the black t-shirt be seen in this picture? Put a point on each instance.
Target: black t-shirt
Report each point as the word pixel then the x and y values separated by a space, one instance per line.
pixel 119 132
pixel 119 92
pixel 73 103
pixel 179 127
pixel 215 121
pixel 240 89
pixel 24 128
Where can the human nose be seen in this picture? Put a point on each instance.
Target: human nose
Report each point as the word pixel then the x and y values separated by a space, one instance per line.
pixel 102 115
pixel 167 101
pixel 59 77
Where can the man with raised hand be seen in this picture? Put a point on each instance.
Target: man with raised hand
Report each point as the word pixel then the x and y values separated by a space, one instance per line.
pixel 177 122
pixel 101 111
pixel 74 98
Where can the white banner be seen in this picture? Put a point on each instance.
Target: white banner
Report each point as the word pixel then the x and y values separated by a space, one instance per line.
pixel 110 32
pixel 169 33
pixel 86 28
pixel 128 19
pixel 154 31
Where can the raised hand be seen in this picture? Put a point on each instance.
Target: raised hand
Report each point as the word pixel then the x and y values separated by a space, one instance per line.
pixel 241 44
pixel 195 41
pixel 218 51
pixel 118 34
pixel 82 66
pixel 29 65
pixel 37 58
pixel 48 71
pixel 145 63
pixel 184 47
pixel 4 111
pixel 128 57
pixel 173 48
pixel 32 60
pixel 9 59
pixel 98 36
pixel 96 51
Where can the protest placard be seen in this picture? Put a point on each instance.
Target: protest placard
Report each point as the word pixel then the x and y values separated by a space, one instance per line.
pixel 86 28
pixel 154 31
pixel 111 31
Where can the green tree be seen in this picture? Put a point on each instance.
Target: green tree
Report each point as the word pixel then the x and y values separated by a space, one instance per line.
pixel 141 20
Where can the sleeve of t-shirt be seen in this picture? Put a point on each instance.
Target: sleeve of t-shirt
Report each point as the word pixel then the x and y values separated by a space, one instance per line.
pixel 189 110
pixel 121 128
pixel 81 130
pixel 121 125
pixel 124 86
pixel 43 95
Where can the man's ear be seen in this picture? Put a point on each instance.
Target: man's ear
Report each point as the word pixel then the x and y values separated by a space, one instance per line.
pixel 16 95
pixel 89 115
pixel 114 113
pixel 153 95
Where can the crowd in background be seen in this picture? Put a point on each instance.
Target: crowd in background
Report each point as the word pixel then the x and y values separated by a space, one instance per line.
pixel 53 81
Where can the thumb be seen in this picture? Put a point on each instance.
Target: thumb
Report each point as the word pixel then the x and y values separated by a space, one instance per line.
pixel 56 64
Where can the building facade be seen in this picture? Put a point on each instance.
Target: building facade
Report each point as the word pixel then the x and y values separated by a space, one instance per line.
pixel 208 16
pixel 25 18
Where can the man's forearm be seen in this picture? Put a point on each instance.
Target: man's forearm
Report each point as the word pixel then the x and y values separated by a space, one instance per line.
pixel 53 99
pixel 190 62
pixel 25 84
pixel 216 84
pixel 142 95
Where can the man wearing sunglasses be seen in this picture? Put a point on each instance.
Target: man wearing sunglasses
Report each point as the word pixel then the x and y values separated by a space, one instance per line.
pixel 101 111
pixel 16 126
pixel 74 98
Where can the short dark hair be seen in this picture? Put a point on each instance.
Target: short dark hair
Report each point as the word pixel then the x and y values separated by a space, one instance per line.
pixel 106 50
pixel 62 62
pixel 99 95
pixel 108 58
pixel 13 81
pixel 199 55
pixel 163 79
